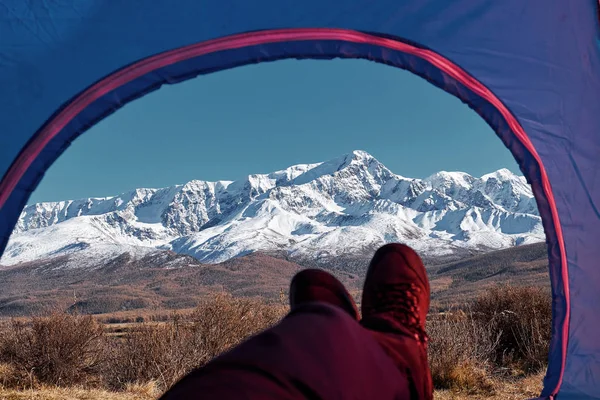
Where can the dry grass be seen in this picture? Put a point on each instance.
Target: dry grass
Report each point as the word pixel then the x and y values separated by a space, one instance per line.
pixel 139 316
pixel 502 389
pixel 73 393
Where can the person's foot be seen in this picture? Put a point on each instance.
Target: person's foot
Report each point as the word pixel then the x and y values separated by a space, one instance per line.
pixel 395 303
pixel 396 291
pixel 316 285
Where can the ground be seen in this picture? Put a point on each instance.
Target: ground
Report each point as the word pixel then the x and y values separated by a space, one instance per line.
pixel 524 388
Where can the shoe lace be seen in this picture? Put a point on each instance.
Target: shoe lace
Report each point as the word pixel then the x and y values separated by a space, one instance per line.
pixel 401 300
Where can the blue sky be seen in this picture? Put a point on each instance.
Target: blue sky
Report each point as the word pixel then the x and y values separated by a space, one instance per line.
pixel 265 117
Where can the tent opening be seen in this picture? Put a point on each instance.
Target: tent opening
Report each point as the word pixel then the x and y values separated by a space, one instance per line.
pixel 159 175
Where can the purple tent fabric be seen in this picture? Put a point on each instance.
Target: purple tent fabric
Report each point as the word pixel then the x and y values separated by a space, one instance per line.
pixel 531 69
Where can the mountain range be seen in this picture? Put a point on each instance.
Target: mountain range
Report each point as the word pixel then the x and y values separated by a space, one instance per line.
pixel 329 213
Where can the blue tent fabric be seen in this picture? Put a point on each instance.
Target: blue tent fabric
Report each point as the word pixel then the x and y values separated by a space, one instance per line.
pixel 530 69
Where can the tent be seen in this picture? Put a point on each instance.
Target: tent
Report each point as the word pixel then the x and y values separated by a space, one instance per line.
pixel 530 68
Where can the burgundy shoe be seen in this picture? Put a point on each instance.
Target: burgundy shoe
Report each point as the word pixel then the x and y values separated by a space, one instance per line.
pixel 395 303
pixel 316 285
pixel 396 290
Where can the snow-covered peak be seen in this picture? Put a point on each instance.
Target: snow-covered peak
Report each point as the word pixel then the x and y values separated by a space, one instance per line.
pixel 503 174
pixel 289 174
pixel 361 158
pixel 447 179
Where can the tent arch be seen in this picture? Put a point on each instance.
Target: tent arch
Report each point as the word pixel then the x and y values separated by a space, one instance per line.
pixel 177 65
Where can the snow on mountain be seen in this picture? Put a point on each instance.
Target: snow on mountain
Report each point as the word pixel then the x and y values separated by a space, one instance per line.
pixel 348 205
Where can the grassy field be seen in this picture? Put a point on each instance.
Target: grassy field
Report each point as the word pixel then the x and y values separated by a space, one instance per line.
pixel 494 347
pixel 73 393
pixel 519 390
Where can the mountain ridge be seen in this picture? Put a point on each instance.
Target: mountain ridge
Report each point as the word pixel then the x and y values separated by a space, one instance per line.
pixel 317 212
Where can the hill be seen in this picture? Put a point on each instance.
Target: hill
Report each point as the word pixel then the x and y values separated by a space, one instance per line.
pixel 166 280
pixel 465 279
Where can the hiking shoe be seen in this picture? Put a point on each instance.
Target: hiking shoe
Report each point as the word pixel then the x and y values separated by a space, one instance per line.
pixel 395 303
pixel 396 292
pixel 316 285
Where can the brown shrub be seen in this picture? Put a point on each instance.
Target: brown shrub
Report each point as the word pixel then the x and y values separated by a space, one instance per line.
pixel 151 352
pixel 460 350
pixel 223 321
pixel 59 349
pixel 164 352
pixel 521 319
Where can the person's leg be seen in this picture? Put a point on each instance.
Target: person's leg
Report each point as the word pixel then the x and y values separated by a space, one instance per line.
pixel 318 351
pixel 395 303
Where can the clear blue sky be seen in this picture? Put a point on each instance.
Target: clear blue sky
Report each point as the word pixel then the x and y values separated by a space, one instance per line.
pixel 265 117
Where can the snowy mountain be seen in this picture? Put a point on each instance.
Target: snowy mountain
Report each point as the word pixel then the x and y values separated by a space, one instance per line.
pixel 316 212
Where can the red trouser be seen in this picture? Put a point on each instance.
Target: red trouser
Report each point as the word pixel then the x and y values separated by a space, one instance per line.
pixel 316 352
